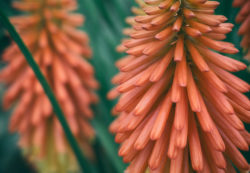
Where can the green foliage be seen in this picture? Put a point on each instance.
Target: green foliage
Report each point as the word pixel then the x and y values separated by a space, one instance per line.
pixel 105 20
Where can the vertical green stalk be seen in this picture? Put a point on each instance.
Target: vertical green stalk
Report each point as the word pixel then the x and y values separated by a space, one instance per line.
pixel 83 162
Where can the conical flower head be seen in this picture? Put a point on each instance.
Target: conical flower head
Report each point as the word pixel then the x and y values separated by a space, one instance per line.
pixel 48 28
pixel 244 18
pixel 180 109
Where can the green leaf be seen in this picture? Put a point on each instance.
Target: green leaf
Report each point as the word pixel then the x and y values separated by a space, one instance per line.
pixel 106 141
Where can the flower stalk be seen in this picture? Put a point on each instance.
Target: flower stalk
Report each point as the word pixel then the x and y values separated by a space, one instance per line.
pixel 180 109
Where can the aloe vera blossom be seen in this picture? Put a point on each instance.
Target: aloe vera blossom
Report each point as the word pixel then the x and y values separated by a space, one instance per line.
pixel 180 109
pixel 49 30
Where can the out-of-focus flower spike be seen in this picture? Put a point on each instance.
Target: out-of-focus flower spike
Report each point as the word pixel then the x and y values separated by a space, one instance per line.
pixel 60 51
pixel 178 99
pixel 243 17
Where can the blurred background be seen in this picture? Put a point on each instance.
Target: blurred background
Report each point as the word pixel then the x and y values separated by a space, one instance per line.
pixel 105 20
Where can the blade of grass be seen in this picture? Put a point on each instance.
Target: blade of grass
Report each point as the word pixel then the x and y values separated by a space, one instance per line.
pixel 106 141
pixel 83 162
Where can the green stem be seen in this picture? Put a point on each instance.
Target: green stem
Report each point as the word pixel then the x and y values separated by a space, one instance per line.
pixel 83 162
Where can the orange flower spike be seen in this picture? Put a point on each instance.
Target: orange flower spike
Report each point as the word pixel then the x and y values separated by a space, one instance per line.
pixel 60 51
pixel 178 98
pixel 244 18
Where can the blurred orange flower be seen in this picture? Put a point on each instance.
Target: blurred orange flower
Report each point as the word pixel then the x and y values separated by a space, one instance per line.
pixel 244 18
pixel 180 109
pixel 48 28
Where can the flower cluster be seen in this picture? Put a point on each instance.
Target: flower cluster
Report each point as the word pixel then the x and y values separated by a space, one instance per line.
pixel 244 18
pixel 48 28
pixel 180 109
